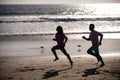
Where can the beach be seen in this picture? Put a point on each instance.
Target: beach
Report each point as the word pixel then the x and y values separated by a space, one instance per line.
pixel 33 60
pixel 27 30
pixel 43 68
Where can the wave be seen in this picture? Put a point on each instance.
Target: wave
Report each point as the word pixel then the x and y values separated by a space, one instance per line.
pixel 48 36
pixel 68 33
pixel 14 20
pixel 82 19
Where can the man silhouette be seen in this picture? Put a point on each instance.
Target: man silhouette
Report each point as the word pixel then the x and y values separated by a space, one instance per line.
pixel 94 38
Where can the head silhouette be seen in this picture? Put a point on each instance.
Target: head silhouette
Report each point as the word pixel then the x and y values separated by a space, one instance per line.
pixel 59 29
pixel 91 27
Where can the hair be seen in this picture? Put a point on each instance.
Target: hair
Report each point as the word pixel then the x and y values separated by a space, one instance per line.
pixel 59 29
pixel 92 26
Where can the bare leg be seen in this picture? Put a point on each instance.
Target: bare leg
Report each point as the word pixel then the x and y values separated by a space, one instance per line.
pixel 54 52
pixel 67 55
pixel 93 54
pixel 100 58
pixel 96 54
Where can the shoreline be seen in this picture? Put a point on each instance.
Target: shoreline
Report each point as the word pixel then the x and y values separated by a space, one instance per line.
pixel 43 47
pixel 39 37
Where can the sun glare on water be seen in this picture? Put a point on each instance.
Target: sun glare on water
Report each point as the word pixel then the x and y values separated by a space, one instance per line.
pixel 106 9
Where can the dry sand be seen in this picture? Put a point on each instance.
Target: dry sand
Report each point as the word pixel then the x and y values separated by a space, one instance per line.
pixel 38 67
pixel 43 68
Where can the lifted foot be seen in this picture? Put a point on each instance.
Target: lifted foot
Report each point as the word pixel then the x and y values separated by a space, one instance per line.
pixel 56 59
pixel 102 65
pixel 71 64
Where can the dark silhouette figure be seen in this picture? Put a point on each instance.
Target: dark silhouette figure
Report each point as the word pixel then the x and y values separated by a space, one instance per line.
pixel 94 38
pixel 61 39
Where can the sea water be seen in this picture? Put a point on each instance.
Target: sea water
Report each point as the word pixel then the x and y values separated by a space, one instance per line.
pixel 44 18
pixel 38 23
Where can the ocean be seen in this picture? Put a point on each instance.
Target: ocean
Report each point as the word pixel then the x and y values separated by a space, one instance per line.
pixel 44 18
pixel 24 29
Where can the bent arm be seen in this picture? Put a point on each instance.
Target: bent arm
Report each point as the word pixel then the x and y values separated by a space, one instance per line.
pixel 66 39
pixel 101 38
pixel 88 39
pixel 54 39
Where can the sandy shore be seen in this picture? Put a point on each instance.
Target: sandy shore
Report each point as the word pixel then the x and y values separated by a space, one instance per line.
pixel 43 68
pixel 37 63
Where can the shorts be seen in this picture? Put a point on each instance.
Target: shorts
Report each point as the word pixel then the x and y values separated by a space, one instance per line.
pixel 94 48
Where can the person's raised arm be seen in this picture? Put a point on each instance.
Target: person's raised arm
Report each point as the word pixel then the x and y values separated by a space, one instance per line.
pixel 88 39
pixel 54 39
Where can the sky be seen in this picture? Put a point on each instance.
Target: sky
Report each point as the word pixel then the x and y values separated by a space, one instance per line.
pixel 56 1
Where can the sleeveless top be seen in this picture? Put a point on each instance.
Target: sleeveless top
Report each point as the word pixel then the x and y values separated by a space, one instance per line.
pixel 60 39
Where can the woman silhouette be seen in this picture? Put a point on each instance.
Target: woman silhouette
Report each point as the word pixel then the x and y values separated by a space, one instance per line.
pixel 61 39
